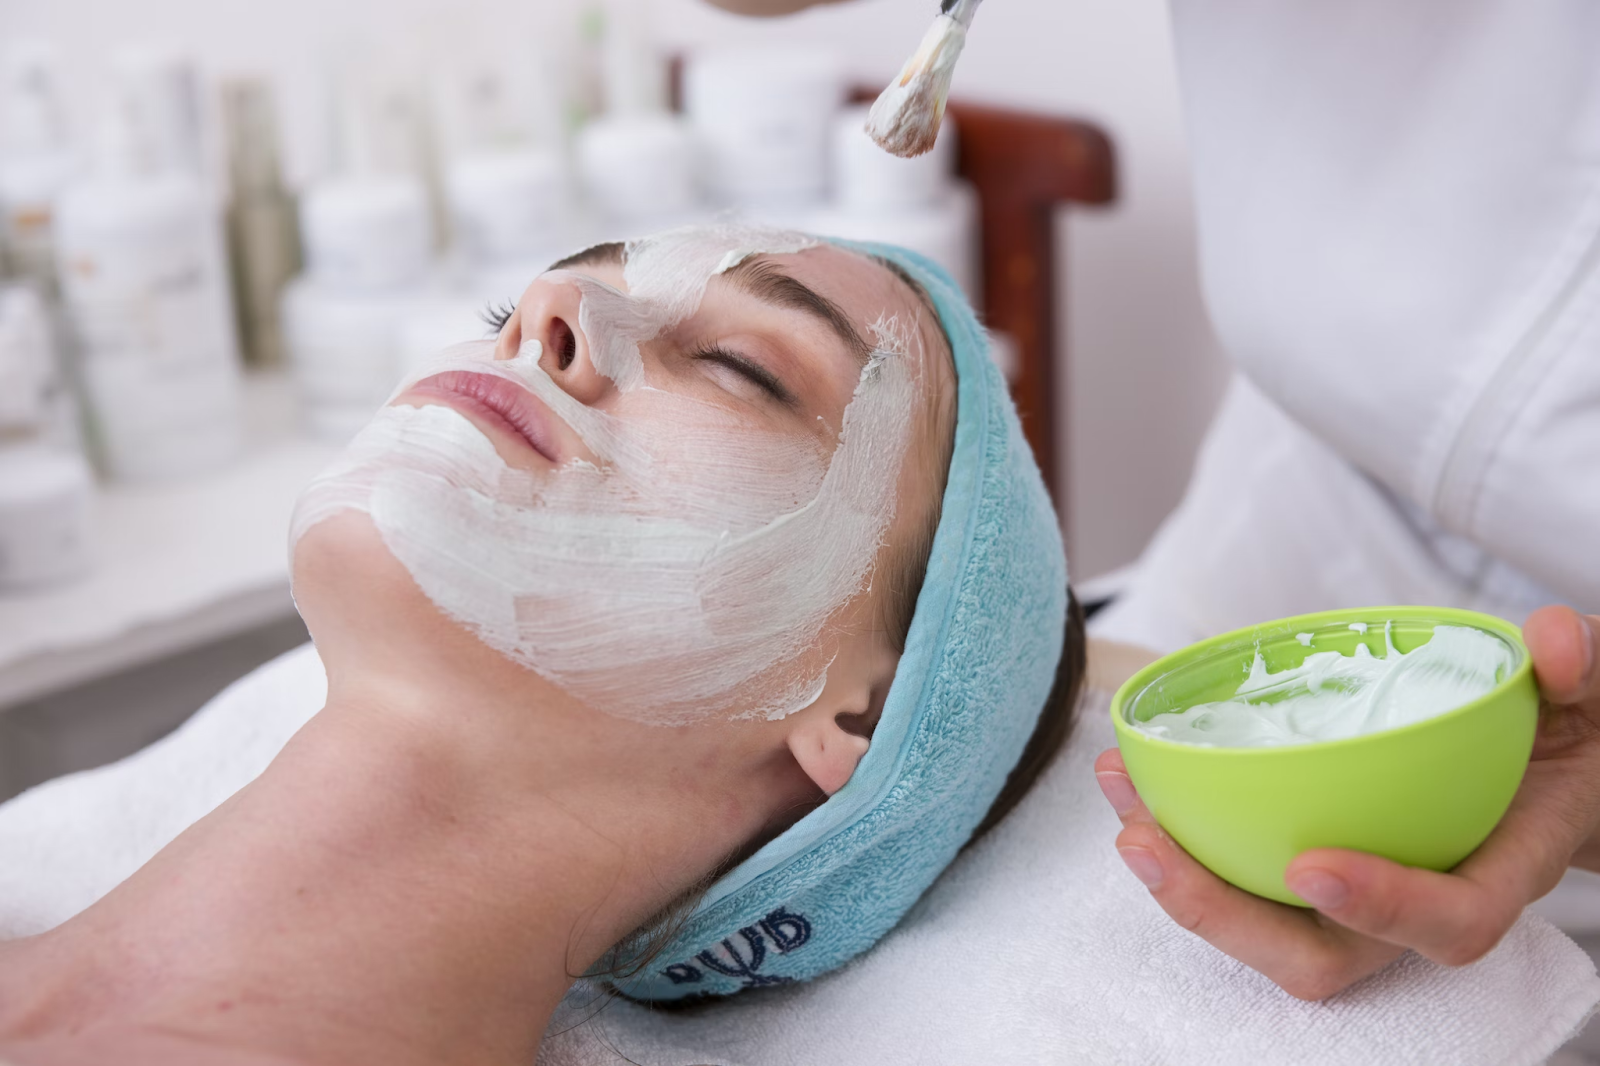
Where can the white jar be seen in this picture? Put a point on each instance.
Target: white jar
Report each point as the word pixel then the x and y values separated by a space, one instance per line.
pixel 342 350
pixel 46 502
pixel 441 322
pixel 945 231
pixel 367 232
pixel 762 118
pixel 914 203
pixel 149 310
pixel 35 402
pixel 866 178
pixel 639 169
pixel 507 206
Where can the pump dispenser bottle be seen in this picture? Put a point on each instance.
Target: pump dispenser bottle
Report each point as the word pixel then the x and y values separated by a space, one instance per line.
pixel 263 233
pixel 367 235
pixel 138 253
pixel 36 162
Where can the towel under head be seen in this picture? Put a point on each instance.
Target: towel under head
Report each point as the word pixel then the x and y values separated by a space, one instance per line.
pixel 978 665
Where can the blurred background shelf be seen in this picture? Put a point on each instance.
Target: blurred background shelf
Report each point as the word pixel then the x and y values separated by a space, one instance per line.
pixel 190 589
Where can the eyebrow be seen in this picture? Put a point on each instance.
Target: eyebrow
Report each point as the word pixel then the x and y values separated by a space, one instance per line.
pixel 607 254
pixel 764 281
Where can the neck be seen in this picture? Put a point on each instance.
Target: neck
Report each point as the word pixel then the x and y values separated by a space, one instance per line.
pixel 410 878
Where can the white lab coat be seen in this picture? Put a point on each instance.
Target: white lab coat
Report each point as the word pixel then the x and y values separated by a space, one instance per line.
pixel 1399 218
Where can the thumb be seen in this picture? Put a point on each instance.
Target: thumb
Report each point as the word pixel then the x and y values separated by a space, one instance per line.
pixel 1565 647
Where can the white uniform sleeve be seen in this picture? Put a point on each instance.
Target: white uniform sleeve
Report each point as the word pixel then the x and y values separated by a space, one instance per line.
pixel 1277 523
pixel 1399 214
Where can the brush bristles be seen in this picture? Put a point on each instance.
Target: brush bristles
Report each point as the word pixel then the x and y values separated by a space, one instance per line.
pixel 905 118
pixel 904 121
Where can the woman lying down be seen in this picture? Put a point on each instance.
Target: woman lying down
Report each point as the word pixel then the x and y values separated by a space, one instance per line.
pixel 678 637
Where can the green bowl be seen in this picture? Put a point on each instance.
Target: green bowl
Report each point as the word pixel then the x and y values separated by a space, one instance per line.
pixel 1424 794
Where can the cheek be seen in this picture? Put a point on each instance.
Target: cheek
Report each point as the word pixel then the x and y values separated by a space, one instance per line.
pixel 715 467
pixel 690 574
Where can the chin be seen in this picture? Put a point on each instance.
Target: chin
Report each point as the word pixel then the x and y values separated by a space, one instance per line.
pixel 352 593
pixel 367 616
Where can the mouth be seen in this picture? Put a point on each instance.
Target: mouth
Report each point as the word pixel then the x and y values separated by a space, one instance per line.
pixel 502 404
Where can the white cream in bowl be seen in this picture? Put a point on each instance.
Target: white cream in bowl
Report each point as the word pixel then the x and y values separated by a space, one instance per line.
pixel 1331 696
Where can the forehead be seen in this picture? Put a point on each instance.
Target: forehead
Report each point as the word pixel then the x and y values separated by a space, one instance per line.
pixel 869 291
pixel 863 287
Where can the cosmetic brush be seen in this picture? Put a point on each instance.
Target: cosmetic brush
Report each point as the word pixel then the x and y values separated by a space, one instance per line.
pixel 905 118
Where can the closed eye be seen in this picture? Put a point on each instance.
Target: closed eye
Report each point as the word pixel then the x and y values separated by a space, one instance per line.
pixel 495 315
pixel 751 370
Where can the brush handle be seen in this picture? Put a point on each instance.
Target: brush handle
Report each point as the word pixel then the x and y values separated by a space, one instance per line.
pixel 960 10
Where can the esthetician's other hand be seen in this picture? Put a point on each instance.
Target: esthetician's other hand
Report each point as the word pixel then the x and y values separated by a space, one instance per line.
pixel 768 8
pixel 1370 910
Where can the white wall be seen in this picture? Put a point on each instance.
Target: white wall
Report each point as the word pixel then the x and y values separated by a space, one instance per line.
pixel 1145 371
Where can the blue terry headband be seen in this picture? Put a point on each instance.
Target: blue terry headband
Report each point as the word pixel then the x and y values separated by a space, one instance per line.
pixel 978 665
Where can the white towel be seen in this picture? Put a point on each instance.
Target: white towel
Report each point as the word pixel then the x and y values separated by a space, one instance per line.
pixel 69 841
pixel 1036 946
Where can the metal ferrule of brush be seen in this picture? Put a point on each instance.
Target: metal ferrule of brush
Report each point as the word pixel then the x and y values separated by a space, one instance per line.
pixel 960 10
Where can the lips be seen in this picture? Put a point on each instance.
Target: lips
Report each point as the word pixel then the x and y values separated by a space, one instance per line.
pixel 494 400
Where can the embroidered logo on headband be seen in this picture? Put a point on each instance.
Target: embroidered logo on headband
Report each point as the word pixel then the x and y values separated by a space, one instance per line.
pixel 785 930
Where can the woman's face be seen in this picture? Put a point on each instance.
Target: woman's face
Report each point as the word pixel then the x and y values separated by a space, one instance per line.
pixel 664 487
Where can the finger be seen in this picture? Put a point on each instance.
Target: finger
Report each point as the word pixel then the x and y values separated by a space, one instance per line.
pixel 1458 917
pixel 1117 787
pixel 1110 760
pixel 1565 646
pixel 1115 784
pixel 1448 919
pixel 1305 955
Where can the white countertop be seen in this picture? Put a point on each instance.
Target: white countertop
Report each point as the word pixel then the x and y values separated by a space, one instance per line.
pixel 178 565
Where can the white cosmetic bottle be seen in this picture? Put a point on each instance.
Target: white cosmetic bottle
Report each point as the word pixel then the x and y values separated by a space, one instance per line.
pixel 36 162
pixel 263 234
pixel 508 195
pixel 508 207
pixel 507 190
pixel 138 253
pixel 368 248
pixel 46 487
pixel 916 203
pixel 637 162
pixel 762 120
pixel 367 235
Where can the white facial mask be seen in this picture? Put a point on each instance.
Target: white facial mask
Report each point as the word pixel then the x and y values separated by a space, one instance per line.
pixel 688 575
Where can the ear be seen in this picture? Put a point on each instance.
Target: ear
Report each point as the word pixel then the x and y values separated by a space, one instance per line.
pixel 824 749
pixel 828 738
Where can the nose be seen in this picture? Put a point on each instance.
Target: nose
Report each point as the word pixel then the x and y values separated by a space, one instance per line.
pixel 548 313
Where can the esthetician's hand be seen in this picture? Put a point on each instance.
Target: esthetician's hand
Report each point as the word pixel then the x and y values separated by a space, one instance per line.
pixel 768 8
pixel 1370 910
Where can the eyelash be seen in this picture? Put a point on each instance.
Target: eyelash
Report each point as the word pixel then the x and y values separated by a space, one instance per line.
pixel 495 315
pixel 755 373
